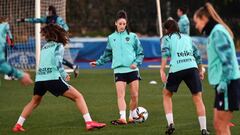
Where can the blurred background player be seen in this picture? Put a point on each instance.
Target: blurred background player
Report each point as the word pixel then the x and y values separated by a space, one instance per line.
pixel 51 77
pixel 5 68
pixel 186 65
pixel 9 41
pixel 223 69
pixel 126 53
pixel 52 17
pixel 183 22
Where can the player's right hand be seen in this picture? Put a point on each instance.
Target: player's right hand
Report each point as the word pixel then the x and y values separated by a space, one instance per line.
pixel 26 79
pixel 201 75
pixel 93 64
pixel 163 76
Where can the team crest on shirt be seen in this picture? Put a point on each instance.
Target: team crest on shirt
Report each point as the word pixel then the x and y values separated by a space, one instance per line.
pixel 127 39
pixel 114 39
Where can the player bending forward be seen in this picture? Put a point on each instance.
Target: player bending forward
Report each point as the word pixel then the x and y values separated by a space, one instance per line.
pixel 184 59
pixel 51 77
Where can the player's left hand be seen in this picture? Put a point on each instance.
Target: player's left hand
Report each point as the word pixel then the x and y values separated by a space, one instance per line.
pixel 12 43
pixel 222 87
pixel 93 64
pixel 133 66
pixel 20 20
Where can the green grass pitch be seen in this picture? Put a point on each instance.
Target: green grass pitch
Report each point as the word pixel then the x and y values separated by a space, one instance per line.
pixel 59 116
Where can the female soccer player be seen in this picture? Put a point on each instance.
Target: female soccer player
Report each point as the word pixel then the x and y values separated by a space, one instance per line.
pixel 51 77
pixel 52 17
pixel 223 69
pixel 185 65
pixel 183 22
pixel 5 68
pixel 126 53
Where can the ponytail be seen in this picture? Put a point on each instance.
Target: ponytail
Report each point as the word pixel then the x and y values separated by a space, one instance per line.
pixel 209 12
pixel 217 18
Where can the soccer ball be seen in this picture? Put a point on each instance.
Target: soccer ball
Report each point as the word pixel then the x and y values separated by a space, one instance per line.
pixel 140 114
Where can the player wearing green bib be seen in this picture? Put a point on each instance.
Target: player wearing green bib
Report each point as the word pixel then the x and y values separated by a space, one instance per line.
pixel 185 65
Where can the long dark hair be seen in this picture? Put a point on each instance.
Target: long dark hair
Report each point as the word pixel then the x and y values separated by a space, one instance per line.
pixel 53 10
pixel 184 9
pixel 3 19
pixel 208 11
pixel 122 14
pixel 53 32
pixel 171 27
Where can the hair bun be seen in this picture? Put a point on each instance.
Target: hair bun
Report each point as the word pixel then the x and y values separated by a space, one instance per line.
pixel 121 14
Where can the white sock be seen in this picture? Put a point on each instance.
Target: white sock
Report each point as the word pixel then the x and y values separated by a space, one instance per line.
pixel 87 117
pixel 122 115
pixel 21 120
pixel 130 114
pixel 169 117
pixel 203 122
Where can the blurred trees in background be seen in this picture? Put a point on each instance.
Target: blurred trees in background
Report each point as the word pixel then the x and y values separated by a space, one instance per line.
pixel 96 17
